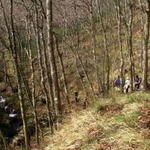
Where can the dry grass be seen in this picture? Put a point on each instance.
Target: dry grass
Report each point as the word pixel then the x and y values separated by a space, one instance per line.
pixel 73 134
pixel 91 130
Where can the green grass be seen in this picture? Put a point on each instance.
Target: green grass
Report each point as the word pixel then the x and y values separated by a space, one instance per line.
pixel 119 118
pixel 132 119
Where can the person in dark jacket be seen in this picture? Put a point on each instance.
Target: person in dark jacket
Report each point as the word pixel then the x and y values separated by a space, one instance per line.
pixel 117 82
pixel 137 82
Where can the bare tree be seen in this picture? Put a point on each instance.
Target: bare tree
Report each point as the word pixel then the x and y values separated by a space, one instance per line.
pixel 14 51
pixel 145 46
pixel 106 52
pixel 128 22
pixel 32 68
pixel 42 69
pixel 50 47
pixel 60 55
pixel 120 28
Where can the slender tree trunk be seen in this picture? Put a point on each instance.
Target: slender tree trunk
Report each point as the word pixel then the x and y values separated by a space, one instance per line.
pixel 118 7
pixel 21 61
pixel 93 29
pixel 43 80
pixel 80 77
pixel 63 71
pixel 145 49
pixel 130 26
pixel 47 64
pixel 49 78
pixel 50 47
pixel 20 92
pixel 107 54
pixel 106 61
pixel 32 69
pixel 142 33
pixel 128 12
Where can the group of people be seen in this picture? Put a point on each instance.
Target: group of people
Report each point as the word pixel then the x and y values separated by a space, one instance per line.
pixel 8 108
pixel 127 83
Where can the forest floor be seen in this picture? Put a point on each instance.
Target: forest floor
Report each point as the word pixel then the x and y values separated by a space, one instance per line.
pixel 121 122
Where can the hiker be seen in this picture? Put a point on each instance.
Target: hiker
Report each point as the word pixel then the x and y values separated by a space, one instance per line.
pixel 117 83
pixel 127 85
pixel 137 81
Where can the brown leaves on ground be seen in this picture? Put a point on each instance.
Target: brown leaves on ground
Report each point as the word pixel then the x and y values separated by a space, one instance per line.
pixel 95 133
pixel 133 144
pixel 144 119
pixel 104 146
pixel 76 145
pixel 110 109
pixel 145 133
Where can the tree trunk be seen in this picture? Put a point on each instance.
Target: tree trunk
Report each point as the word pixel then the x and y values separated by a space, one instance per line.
pixel 80 77
pixel 49 78
pixel 107 54
pixel 32 69
pixel 43 79
pixel 50 47
pixel 20 92
pixel 93 29
pixel 128 12
pixel 118 7
pixel 63 71
pixel 131 45
pixel 145 49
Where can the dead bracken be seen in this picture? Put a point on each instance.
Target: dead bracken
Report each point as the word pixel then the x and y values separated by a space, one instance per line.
pixel 110 109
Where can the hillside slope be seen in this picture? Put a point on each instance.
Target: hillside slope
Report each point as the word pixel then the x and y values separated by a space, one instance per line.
pixel 118 123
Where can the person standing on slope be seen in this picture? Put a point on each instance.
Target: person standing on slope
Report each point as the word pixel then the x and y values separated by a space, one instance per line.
pixel 137 82
pixel 127 85
pixel 117 82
